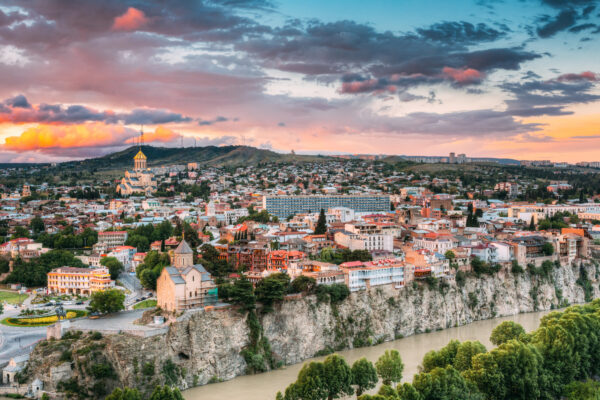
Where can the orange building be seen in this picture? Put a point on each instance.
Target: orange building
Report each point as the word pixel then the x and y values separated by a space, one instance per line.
pixel 280 259
pixel 71 280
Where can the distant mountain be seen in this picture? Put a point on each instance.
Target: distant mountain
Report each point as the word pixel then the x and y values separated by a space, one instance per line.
pixel 209 155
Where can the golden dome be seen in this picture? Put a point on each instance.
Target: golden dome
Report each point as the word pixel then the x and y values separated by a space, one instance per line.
pixel 139 156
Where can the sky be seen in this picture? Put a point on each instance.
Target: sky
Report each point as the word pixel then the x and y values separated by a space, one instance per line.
pixel 488 78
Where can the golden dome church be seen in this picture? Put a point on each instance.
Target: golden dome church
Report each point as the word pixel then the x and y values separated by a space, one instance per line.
pixel 141 180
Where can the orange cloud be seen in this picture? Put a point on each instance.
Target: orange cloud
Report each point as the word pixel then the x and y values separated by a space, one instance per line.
pixel 130 21
pixel 468 75
pixel 160 134
pixel 43 137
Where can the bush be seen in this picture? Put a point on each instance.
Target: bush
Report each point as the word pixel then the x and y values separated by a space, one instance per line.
pixel 66 356
pixel 460 278
pixel 96 336
pixel 303 284
pixel 516 268
pixel 102 370
pixel 335 293
pixel 148 369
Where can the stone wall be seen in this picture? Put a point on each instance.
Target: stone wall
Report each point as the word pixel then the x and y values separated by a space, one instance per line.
pixel 205 346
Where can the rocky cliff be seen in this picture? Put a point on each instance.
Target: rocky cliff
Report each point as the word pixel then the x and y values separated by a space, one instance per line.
pixel 206 346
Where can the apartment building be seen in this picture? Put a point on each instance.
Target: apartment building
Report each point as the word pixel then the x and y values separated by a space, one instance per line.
pixel 84 281
pixel 284 206
pixel 364 275
pixel 112 238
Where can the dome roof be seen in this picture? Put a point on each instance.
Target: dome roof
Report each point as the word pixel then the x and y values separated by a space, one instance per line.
pixel 139 156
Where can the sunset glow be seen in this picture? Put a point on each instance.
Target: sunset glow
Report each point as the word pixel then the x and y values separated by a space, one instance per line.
pixel 491 79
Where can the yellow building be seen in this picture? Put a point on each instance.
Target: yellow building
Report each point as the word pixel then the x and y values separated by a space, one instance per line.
pixel 85 281
pixel 140 180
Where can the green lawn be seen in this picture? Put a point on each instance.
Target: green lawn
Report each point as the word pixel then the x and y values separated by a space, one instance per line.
pixel 12 297
pixel 145 304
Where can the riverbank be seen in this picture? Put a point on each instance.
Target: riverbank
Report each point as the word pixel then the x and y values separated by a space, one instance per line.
pixel 204 347
pixel 412 349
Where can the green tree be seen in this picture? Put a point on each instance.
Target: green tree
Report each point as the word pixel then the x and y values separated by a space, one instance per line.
pixel 338 377
pixel 107 301
pixel 507 330
pixel 321 227
pixel 37 225
pixel 441 358
pixel 303 284
pixel 389 367
pixel 445 384
pixel 449 254
pixel 242 293
pixel 329 379
pixel 124 394
pixel 149 271
pixel 588 390
pixel 547 249
pixel 465 353
pixel 510 371
pixel 142 243
pixel 20 232
pixel 272 289
pixel 364 375
pixel 165 393
pixel 115 267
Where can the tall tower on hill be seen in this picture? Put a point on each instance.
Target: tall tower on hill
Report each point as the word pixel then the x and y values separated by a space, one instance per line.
pixel 140 158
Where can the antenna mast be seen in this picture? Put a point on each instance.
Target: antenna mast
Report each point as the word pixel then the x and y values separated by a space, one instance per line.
pixel 141 137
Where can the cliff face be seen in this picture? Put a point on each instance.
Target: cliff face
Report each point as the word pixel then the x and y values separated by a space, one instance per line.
pixel 205 346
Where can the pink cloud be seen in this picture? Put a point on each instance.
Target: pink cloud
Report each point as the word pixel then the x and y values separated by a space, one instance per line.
pixel 587 75
pixel 130 21
pixel 161 134
pixel 463 76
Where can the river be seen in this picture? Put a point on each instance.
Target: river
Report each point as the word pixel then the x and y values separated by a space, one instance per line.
pixel 412 349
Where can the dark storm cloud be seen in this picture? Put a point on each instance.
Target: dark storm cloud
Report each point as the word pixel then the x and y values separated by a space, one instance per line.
pixel 213 121
pixel 569 3
pixel 550 97
pixel 18 110
pixel 18 101
pixel 476 123
pixel 582 27
pixel 451 32
pixel 564 20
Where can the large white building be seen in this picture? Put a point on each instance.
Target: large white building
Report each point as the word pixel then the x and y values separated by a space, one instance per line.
pixel 284 206
pixel 364 275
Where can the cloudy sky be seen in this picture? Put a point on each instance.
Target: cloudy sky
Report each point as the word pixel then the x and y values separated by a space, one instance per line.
pixel 497 78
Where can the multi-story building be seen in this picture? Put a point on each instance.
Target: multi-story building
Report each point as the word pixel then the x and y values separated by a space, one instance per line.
pixel 366 241
pixel 364 275
pixel 22 247
pixel 84 281
pixel 284 206
pixel 185 285
pixel 112 238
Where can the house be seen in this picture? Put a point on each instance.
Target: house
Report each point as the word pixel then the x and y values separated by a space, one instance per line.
pixel 14 366
pixel 185 285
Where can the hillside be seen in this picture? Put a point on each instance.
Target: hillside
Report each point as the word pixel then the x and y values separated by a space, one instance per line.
pixel 209 155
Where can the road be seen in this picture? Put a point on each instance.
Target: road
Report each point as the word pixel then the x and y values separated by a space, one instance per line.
pixel 132 283
pixel 15 340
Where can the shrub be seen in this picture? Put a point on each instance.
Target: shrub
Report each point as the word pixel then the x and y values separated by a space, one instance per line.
pixel 148 369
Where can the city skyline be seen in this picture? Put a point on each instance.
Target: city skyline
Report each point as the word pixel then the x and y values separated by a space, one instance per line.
pixel 489 78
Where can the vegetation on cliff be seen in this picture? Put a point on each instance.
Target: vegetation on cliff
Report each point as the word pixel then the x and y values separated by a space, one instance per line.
pixel 553 362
